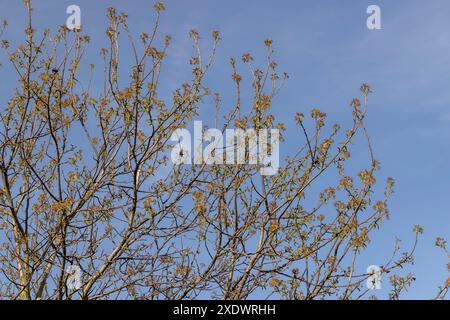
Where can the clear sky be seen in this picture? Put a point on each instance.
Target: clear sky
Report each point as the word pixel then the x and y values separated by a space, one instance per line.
pixel 328 52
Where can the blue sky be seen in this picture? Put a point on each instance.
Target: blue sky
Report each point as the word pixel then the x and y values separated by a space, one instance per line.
pixel 328 52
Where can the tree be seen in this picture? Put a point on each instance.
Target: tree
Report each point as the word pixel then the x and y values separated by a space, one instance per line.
pixel 109 208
